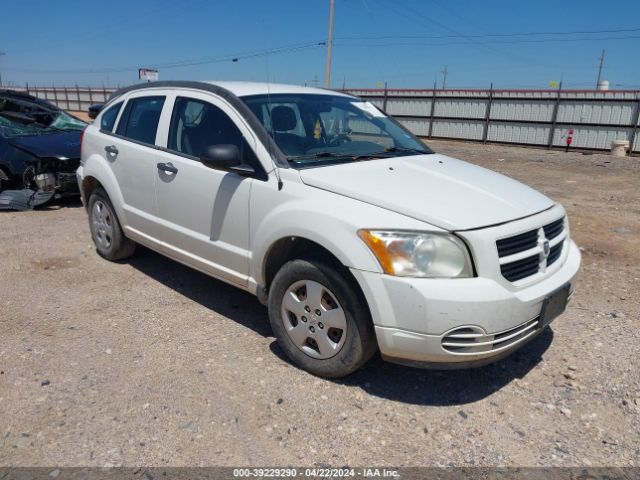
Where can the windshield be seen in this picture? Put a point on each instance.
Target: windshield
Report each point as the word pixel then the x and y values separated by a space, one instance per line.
pixel 319 129
pixel 19 118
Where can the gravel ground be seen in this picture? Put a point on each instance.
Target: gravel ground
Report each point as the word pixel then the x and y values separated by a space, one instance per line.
pixel 147 362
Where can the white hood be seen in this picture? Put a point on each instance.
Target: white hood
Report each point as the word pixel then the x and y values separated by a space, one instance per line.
pixel 436 189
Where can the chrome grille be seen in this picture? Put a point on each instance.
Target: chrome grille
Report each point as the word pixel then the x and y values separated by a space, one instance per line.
pixel 522 255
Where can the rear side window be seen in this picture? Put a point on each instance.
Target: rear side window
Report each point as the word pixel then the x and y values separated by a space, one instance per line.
pixel 140 119
pixel 108 119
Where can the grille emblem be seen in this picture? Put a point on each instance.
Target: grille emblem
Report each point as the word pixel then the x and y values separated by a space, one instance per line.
pixel 546 248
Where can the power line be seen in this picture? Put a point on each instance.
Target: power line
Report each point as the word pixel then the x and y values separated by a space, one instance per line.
pixel 413 13
pixel 494 42
pixel 486 35
pixel 186 63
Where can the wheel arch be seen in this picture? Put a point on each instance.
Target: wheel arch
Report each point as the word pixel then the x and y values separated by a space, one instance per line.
pixel 96 174
pixel 88 186
pixel 290 248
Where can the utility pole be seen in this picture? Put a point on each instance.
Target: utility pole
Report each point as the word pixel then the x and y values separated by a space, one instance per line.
pixel 600 69
pixel 1 54
pixel 327 77
pixel 445 72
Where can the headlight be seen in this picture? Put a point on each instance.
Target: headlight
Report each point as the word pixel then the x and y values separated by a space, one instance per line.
pixel 419 254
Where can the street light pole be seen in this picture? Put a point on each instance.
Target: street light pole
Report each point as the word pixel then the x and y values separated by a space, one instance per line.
pixel 327 76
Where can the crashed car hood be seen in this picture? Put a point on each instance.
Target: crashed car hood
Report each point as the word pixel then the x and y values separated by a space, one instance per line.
pixel 436 189
pixel 60 145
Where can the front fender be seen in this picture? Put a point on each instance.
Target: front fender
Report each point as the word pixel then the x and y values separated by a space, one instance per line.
pixel 343 242
pixel 326 218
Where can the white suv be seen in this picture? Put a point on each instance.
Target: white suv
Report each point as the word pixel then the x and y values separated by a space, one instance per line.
pixel 355 234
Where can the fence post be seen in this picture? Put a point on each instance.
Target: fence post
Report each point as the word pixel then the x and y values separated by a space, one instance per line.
pixel 433 110
pixel 55 94
pixel 66 97
pixel 384 101
pixel 634 131
pixel 90 96
pixel 554 118
pixel 78 96
pixel 26 84
pixel 487 118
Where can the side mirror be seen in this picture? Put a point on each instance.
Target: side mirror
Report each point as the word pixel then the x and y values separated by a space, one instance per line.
pixel 225 157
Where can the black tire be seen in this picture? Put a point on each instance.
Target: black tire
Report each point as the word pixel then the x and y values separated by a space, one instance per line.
pixel 359 344
pixel 119 247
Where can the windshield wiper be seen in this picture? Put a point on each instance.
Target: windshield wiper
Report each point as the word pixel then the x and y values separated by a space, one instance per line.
pixel 296 158
pixel 387 151
pixel 356 157
pixel 406 149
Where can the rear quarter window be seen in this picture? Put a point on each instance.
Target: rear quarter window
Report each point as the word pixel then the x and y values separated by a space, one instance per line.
pixel 108 119
pixel 140 119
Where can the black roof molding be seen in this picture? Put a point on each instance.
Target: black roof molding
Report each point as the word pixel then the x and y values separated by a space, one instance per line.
pixel 241 107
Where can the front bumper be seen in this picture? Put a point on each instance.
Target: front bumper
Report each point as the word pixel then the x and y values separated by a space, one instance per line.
pixel 415 317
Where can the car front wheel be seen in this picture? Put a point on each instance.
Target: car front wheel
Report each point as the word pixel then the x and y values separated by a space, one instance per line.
pixel 320 319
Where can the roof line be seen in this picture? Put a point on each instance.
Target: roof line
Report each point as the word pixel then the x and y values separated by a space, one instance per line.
pixel 241 107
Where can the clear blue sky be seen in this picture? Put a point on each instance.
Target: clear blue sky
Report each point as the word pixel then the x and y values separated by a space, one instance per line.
pixel 404 42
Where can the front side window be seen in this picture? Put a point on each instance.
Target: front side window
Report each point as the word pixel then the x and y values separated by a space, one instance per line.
pixel 196 125
pixel 318 129
pixel 140 119
pixel 108 119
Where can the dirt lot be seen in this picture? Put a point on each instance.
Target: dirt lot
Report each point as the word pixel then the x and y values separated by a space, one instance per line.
pixel 147 362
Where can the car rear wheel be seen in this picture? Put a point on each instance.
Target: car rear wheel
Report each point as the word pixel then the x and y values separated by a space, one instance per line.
pixel 106 231
pixel 320 319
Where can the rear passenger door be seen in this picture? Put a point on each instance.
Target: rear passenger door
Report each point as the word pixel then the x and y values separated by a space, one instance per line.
pixel 132 155
pixel 204 212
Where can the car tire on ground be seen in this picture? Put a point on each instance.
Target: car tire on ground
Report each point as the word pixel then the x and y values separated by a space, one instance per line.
pixel 105 228
pixel 320 318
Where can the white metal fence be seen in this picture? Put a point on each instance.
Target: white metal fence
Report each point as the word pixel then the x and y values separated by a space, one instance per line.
pixel 69 98
pixel 528 117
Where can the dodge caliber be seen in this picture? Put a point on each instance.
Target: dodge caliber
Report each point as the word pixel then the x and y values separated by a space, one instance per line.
pixel 356 236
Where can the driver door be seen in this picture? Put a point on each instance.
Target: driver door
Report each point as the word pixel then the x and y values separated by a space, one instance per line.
pixel 204 212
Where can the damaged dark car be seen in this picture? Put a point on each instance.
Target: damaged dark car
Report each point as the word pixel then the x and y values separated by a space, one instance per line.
pixel 39 151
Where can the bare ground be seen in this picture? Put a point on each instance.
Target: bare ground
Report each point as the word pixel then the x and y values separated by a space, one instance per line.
pixel 147 362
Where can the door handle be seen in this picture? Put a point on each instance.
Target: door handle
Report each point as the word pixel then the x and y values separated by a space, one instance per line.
pixel 111 150
pixel 167 167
